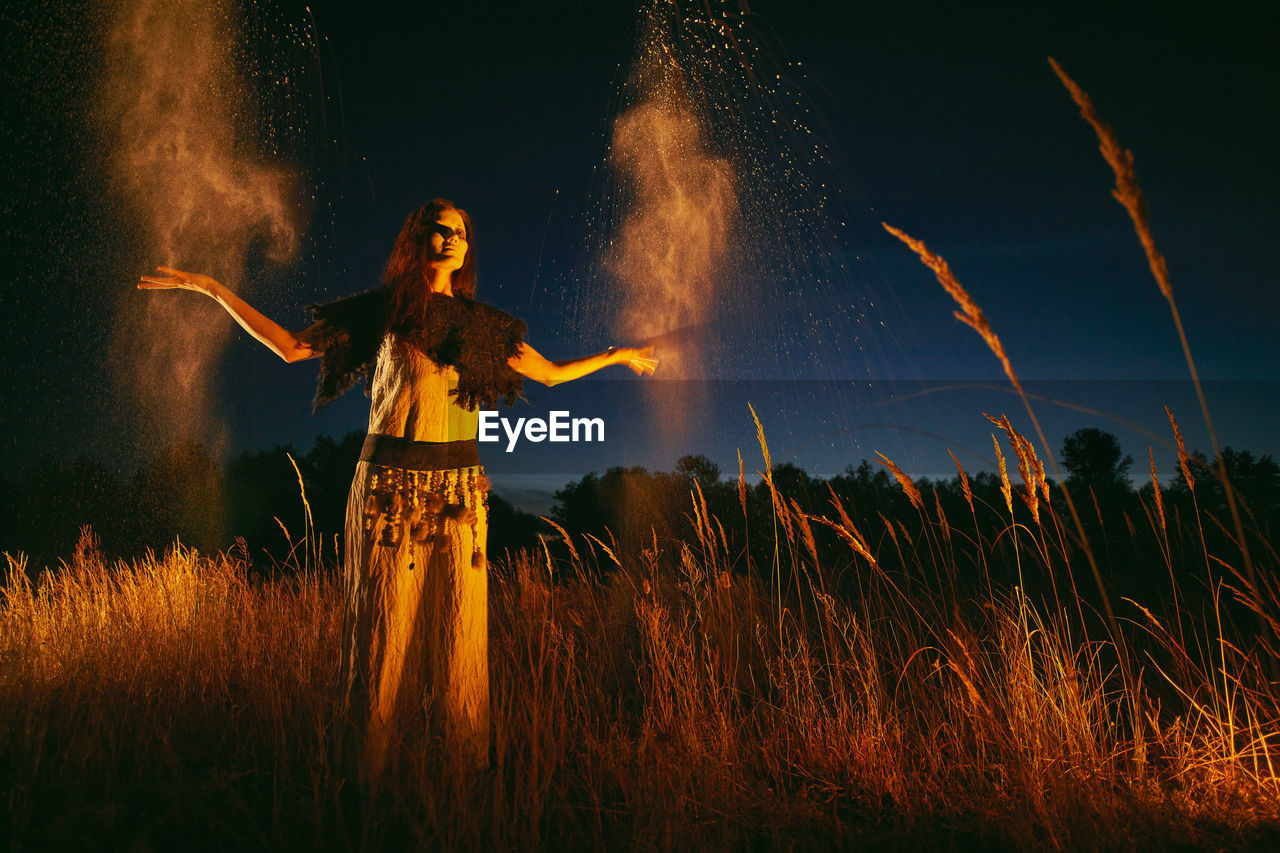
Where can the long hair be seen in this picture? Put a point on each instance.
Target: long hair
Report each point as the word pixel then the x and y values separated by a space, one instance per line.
pixel 405 274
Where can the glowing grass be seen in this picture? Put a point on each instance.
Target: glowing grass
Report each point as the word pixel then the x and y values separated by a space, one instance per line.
pixel 637 700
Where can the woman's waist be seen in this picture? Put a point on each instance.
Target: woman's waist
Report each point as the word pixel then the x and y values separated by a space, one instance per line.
pixel 396 452
pixel 433 420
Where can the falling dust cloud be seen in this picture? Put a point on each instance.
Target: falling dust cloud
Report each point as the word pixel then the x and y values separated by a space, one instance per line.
pixel 719 233
pixel 672 244
pixel 680 198
pixel 186 164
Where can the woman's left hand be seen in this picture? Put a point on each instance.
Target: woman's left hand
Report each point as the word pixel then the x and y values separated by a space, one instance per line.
pixel 639 359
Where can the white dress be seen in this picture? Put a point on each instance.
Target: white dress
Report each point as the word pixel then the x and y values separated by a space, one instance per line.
pixel 415 577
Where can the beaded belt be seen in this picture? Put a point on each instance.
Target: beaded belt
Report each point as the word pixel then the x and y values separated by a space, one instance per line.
pixel 395 452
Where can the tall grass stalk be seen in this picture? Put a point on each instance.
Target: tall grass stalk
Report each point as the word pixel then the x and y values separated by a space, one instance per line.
pixel 972 315
pixel 1129 193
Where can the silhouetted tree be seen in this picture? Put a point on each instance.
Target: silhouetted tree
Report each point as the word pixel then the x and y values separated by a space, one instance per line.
pixel 865 490
pixel 1098 479
pixel 579 507
pixel 1094 459
pixel 699 468
pixel 1256 480
pixel 794 482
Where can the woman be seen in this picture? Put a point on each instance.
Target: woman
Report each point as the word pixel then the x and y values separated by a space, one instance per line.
pixel 416 634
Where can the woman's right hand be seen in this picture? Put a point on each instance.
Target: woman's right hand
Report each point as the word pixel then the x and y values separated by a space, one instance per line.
pixel 168 278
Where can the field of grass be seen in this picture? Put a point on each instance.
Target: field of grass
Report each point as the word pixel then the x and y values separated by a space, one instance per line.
pixel 667 699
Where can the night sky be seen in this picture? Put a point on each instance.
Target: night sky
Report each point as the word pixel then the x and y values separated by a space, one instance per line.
pixel 942 119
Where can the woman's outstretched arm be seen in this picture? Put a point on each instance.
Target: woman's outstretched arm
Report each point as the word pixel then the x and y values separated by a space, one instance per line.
pixel 529 362
pixel 290 346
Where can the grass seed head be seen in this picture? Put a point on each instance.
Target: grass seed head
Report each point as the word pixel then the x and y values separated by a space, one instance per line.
pixel 964 481
pixel 1029 467
pixel 908 487
pixel 1155 488
pixel 969 313
pixel 1127 190
pixel 942 516
pixel 1005 488
pixel 1183 459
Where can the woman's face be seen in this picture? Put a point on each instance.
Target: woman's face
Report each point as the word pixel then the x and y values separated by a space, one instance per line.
pixel 448 240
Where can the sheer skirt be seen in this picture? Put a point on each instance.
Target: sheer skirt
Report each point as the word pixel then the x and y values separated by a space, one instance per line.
pixel 415 661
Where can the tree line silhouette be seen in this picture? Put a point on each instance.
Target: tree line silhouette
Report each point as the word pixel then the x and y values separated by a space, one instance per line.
pixel 184 494
pixel 1137 555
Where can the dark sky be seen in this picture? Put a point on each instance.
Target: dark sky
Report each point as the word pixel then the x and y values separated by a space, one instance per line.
pixel 943 119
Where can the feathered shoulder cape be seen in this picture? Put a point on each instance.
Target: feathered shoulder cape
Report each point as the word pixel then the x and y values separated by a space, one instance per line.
pixel 474 338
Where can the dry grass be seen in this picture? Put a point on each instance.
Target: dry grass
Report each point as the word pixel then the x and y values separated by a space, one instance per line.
pixel 674 704
pixel 972 315
pixel 1128 192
